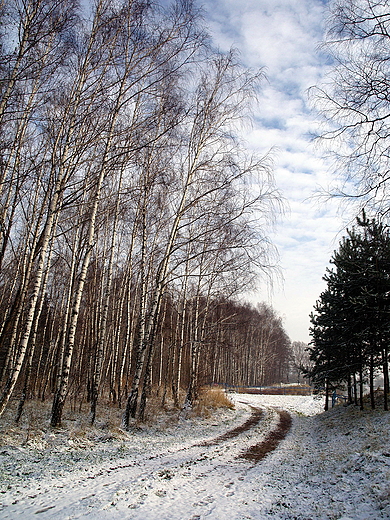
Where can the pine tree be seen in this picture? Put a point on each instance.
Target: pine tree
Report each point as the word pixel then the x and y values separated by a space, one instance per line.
pixel 350 324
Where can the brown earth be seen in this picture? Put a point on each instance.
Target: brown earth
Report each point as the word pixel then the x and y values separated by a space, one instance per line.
pixel 255 418
pixel 257 452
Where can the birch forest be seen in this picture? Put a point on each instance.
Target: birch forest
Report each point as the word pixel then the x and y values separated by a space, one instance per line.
pixel 132 216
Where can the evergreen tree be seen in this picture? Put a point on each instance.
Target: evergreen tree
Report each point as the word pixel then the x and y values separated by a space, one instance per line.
pixel 350 324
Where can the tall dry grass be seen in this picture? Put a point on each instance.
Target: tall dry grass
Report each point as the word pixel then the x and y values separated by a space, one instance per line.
pixel 210 399
pixel 34 427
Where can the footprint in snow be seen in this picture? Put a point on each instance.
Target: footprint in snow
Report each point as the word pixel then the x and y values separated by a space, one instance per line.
pixel 206 501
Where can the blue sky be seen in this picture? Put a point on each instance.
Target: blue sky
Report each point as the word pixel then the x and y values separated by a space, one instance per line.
pixel 283 36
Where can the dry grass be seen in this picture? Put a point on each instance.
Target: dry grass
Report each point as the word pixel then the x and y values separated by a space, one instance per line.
pixel 34 428
pixel 275 390
pixel 211 399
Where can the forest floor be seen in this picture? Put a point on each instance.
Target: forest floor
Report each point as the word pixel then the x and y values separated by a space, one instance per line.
pixel 276 457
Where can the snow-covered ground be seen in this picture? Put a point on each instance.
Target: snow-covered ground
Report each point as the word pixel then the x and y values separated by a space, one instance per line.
pixel 333 465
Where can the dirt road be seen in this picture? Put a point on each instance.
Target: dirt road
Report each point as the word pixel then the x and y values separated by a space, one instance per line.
pixel 272 458
pixel 190 480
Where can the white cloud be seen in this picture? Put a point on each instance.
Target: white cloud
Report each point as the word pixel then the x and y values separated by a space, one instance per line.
pixel 282 36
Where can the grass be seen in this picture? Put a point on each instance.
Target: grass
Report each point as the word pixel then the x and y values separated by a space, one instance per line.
pixel 210 399
pixel 278 390
pixel 34 427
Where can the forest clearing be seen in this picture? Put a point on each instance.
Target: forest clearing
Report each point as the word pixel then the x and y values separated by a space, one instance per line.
pixel 331 465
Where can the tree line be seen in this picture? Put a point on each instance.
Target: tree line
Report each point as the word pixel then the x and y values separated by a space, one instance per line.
pixel 350 322
pixel 131 214
pixel 350 325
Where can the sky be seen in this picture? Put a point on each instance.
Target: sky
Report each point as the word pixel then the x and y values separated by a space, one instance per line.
pixel 282 37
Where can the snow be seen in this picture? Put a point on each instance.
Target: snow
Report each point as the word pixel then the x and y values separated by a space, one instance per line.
pixel 332 465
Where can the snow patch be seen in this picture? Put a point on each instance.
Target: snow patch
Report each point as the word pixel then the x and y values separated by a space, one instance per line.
pixel 330 466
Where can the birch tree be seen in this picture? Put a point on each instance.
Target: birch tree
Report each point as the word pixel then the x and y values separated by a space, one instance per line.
pixel 146 62
pixel 129 207
pixel 206 168
pixel 30 20
pixel 354 99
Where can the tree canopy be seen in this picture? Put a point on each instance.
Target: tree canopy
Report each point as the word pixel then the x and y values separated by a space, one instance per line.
pixel 354 99
pixel 127 207
pixel 350 323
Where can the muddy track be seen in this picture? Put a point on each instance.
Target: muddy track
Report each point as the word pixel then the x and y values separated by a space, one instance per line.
pixel 255 418
pixel 138 484
pixel 258 451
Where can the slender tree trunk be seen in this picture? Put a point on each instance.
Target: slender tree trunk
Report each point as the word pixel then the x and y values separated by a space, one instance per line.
pixel 37 283
pixel 176 380
pixel 147 386
pixel 350 399
pixel 60 396
pixel 192 393
pixel 326 408
pixel 142 342
pixel 104 314
pixel 33 344
pixel 385 362
pixel 128 342
pixel 372 390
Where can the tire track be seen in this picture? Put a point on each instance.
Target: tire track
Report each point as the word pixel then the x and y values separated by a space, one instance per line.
pixel 254 419
pixel 257 452
pixel 139 486
pixel 157 463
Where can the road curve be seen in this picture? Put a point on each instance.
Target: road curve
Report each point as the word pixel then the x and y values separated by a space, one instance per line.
pixel 254 419
pixel 257 452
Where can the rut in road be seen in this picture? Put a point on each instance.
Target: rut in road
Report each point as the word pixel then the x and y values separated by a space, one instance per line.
pixel 257 452
pixel 183 474
pixel 255 418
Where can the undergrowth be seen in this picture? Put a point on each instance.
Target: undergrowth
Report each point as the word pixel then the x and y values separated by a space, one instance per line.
pixel 211 399
pixel 34 428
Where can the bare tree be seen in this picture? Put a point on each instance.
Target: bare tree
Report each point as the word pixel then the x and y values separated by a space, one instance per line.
pixel 300 359
pixel 37 29
pixel 354 99
pixel 206 169
pixel 129 209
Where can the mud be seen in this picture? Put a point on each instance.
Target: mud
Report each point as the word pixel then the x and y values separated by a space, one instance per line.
pixel 255 418
pixel 257 452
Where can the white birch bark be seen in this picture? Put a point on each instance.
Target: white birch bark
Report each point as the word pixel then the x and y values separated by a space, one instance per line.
pixel 104 313
pixel 62 167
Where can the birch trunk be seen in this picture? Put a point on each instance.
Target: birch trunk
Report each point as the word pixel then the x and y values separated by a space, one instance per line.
pixel 385 364
pixel 33 344
pixel 104 314
pixel 141 342
pixel 46 235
